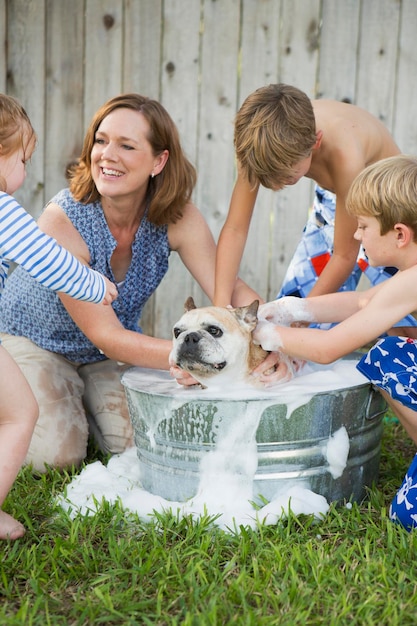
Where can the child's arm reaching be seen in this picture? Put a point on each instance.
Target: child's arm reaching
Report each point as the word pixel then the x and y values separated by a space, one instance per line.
pixel 362 318
pixel 22 242
pixel 232 240
pixel 286 311
pixel 277 316
pixel 345 246
pixel 334 307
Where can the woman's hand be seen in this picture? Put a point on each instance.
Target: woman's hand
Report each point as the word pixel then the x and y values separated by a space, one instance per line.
pixel 182 377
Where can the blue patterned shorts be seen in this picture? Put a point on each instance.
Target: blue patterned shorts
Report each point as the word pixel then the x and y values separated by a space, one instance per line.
pixel 392 365
pixel 403 509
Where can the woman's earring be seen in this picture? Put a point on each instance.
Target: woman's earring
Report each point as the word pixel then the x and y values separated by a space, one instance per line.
pixel 152 175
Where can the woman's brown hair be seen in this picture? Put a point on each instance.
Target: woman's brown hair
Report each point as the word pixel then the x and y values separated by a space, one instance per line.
pixel 171 189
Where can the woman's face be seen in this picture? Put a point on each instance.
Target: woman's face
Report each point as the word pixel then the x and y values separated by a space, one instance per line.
pixel 122 159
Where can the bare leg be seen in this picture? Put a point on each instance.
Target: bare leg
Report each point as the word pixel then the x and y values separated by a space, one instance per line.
pixel 407 416
pixel 61 432
pixel 18 415
pixel 403 331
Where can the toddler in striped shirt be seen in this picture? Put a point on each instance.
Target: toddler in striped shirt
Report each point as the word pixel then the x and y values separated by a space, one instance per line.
pixel 22 242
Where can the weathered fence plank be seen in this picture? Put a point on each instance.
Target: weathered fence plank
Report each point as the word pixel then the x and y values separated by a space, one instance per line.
pixel 338 44
pixel 3 54
pixel 103 59
pixel 26 35
pixel 219 63
pixel 299 47
pixel 403 83
pixel 142 47
pixel 180 72
pixel 259 66
pixel 64 89
pixel 377 58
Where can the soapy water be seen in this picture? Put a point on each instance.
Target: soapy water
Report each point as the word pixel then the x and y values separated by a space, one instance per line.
pixel 226 485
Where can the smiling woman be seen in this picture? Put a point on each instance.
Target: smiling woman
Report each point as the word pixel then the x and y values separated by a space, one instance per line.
pixel 127 207
pixel 122 159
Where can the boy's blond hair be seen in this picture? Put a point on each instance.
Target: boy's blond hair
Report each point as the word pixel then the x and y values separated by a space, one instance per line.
pixel 275 128
pixel 386 190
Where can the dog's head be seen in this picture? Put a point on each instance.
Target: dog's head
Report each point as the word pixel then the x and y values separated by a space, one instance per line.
pixel 216 343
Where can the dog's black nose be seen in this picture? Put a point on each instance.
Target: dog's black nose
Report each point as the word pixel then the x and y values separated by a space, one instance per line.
pixel 192 338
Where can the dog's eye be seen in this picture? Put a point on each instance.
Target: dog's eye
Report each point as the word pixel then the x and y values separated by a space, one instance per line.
pixel 177 332
pixel 215 331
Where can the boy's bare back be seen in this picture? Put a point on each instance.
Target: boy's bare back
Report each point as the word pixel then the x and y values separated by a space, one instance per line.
pixel 352 140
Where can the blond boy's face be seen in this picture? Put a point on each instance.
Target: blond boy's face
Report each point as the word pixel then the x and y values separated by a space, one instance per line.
pixel 380 250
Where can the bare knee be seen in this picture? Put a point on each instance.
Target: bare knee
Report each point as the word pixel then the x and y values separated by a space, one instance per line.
pixel 406 415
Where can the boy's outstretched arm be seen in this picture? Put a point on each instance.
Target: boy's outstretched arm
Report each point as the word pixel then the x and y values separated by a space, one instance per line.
pixel 377 310
pixel 232 240
pixel 333 307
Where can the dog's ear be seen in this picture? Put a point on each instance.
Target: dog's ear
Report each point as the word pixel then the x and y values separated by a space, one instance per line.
pixel 189 304
pixel 248 314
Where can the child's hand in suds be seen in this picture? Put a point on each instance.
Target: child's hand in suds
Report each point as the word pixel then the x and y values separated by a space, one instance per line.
pixel 287 311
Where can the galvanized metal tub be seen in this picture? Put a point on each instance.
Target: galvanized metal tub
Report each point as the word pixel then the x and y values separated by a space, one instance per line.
pixel 174 428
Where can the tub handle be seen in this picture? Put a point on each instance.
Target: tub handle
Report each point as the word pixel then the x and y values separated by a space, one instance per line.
pixel 371 414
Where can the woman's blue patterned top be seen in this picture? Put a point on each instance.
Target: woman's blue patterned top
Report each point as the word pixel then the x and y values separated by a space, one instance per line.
pixel 28 309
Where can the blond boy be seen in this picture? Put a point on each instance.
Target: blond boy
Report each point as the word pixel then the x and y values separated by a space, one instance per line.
pixel 383 201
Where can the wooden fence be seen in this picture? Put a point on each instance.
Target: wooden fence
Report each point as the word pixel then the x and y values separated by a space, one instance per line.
pixel 64 58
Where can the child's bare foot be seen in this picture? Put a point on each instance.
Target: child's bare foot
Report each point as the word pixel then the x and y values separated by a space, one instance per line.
pixel 9 527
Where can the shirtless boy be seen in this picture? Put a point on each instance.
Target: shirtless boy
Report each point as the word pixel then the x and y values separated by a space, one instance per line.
pixel 281 136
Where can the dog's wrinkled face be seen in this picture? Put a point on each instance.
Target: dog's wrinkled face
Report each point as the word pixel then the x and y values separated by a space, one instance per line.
pixel 216 342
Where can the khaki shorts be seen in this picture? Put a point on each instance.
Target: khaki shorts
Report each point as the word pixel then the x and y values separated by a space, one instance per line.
pixel 74 401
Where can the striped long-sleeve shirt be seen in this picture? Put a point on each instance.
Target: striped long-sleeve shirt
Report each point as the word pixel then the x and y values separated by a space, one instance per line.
pixel 22 242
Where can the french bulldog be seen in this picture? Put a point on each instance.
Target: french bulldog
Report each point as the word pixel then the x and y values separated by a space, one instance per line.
pixel 216 343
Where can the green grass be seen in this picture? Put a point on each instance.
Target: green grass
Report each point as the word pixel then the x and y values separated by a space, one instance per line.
pixel 354 567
